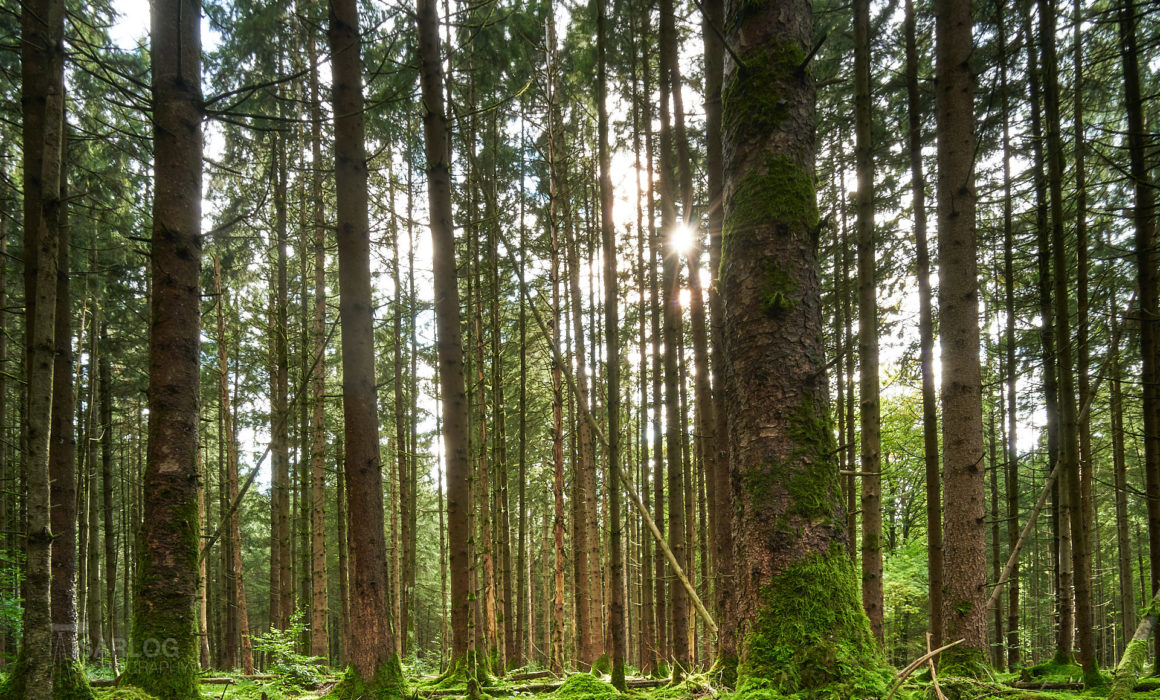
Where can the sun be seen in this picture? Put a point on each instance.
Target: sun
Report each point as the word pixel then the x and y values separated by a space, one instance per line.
pixel 681 239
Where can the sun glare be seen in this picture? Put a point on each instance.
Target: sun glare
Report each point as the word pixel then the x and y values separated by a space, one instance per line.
pixel 681 239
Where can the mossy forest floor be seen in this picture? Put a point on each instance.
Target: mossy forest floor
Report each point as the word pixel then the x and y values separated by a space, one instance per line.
pixel 1043 681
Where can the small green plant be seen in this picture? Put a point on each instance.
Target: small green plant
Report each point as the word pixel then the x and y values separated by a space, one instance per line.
pixel 295 670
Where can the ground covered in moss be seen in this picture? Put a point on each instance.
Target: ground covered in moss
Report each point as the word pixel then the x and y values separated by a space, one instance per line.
pixel 582 686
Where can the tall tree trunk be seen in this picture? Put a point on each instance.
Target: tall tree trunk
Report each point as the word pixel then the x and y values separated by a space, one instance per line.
pixel 107 497
pixel 167 579
pixel 1127 601
pixel 371 653
pixel 720 501
pixel 448 333
pixel 42 102
pixel 870 463
pixel 1144 222
pixel 798 592
pixel 1012 448
pixel 679 610
pixel 92 512
pixel 964 548
pixel 1068 418
pixel 612 357
pixel 240 634
pixel 319 639
pixel 281 536
pixel 926 336
pixel 1061 556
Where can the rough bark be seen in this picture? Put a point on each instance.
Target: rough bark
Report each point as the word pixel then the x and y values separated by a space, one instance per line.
pixel 42 102
pixel 449 336
pixel 964 548
pixel 795 590
pixel 371 650
pixel 167 577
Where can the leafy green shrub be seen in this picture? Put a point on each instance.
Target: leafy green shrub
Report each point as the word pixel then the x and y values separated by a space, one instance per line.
pixel 294 670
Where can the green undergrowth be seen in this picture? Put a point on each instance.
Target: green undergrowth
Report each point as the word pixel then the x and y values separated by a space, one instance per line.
pixel 128 693
pixel 694 685
pixel 584 686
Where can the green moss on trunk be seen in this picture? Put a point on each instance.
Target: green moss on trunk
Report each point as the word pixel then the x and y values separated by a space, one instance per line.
pixel 1129 668
pixel 781 192
pixel 387 684
pixel 69 682
pixel 811 638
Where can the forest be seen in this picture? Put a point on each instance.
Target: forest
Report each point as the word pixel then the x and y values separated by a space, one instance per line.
pixel 608 349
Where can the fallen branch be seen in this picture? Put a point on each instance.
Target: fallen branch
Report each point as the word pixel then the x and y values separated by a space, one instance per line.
pixel 902 675
pixel 933 675
pixel 1135 653
pixel 635 683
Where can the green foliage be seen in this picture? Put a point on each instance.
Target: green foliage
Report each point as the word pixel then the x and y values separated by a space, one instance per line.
pixel 811 638
pixel 295 670
pixel 11 607
pixel 128 693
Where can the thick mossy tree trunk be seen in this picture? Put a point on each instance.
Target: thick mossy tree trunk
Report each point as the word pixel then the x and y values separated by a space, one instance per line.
pixel 800 621
pixel 164 648
pixel 374 669
pixel 964 552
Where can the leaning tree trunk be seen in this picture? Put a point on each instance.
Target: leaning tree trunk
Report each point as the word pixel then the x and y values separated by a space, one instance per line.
pixel 964 550
pixel 167 577
pixel 796 595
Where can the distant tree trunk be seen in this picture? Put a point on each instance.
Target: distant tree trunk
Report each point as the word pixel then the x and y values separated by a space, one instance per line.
pixel 281 537
pixel 926 336
pixel 371 652
pixel 586 592
pixel 319 638
pixel 64 479
pixel 449 335
pixel 679 609
pixel 523 594
pixel 720 501
pixel 340 515
pixel 107 497
pixel 870 463
pixel 796 590
pixel 1012 447
pixel 1119 474
pixel 92 511
pixel 42 101
pixel 1069 421
pixel 167 579
pixel 1144 222
pixel 240 633
pixel 1061 553
pixel 612 358
pixel 964 549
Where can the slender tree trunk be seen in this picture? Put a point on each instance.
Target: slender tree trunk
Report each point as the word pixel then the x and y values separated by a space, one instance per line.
pixel 612 357
pixel 1069 422
pixel 167 579
pixel 107 498
pixel 964 548
pixel 719 489
pixel 92 513
pixel 42 101
pixel 926 336
pixel 371 652
pixel 319 638
pixel 870 465
pixel 449 337
pixel 1144 222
